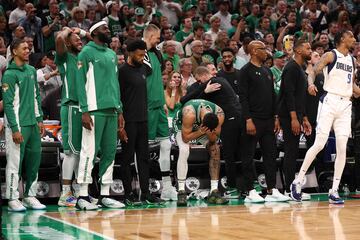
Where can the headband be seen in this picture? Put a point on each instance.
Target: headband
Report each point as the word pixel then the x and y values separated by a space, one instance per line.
pixel 96 25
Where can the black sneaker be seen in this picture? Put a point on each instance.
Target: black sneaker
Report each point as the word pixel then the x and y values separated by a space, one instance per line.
pixel 182 198
pixel 215 198
pixel 132 200
pixel 152 200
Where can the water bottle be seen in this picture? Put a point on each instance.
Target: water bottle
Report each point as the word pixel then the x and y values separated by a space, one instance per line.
pixel 346 190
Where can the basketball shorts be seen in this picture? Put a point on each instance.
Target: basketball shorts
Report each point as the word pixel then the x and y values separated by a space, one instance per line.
pixel 334 112
pixel 158 127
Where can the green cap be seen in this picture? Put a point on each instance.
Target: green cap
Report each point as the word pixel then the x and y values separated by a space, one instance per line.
pixel 139 11
pixel 279 54
pixel 235 16
pixel 189 7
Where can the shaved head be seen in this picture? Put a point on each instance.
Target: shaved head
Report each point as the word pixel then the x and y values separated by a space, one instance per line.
pixel 257 50
pixel 253 45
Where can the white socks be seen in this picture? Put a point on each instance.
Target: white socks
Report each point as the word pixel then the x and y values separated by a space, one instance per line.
pixel 340 161
pixel 214 185
pixel 105 190
pixel 66 188
pixel 181 185
pixel 166 180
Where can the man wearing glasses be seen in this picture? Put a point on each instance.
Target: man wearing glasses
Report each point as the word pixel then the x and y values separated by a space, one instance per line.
pixel 262 123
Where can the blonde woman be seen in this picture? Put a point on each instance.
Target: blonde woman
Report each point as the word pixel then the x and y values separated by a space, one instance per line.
pixel 173 93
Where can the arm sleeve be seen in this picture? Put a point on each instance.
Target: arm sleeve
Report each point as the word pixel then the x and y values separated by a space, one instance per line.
pixel 83 68
pixel 289 77
pixel 244 93
pixel 8 91
pixel 38 111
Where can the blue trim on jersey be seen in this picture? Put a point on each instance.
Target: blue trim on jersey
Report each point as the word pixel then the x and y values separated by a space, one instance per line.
pixel 332 64
pixel 321 99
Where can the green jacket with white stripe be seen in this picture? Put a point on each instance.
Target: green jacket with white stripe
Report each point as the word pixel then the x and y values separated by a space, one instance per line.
pixel 21 96
pixel 97 82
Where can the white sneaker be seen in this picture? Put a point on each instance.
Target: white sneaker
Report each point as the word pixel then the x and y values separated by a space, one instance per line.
pixel 276 196
pixel 169 194
pixel 304 196
pixel 16 206
pixel 67 200
pixel 111 203
pixel 82 204
pixel 33 203
pixel 93 200
pixel 254 197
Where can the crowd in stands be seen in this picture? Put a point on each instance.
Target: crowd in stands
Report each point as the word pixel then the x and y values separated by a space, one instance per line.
pixel 192 32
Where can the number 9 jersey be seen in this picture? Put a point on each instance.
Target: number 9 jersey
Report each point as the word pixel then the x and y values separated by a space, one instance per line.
pixel 339 75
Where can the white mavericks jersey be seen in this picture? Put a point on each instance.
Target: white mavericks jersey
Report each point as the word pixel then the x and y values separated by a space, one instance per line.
pixel 339 75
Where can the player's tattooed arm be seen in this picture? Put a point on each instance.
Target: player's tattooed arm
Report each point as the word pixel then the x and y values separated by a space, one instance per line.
pixel 188 120
pixel 326 59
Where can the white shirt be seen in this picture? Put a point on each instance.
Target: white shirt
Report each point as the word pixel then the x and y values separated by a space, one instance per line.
pixel 169 13
pixel 178 46
pixel 225 23
pixel 3 64
pixel 85 4
pixel 214 36
pixel 241 53
pixel 16 14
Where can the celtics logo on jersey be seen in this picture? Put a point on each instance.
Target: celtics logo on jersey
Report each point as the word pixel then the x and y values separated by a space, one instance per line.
pixel 208 58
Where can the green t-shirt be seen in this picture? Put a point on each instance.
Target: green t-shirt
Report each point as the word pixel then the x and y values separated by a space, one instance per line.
pixel 114 26
pixel 67 65
pixel 252 22
pixel 174 60
pixel 49 41
pixel 181 35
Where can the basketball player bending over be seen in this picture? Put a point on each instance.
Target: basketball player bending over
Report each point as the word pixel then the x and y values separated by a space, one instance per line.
pixel 338 67
pixel 199 120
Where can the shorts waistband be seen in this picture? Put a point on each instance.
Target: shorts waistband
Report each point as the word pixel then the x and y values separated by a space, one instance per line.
pixel 338 96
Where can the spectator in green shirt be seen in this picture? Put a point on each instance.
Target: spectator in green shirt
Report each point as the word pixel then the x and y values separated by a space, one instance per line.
pixel 279 63
pixel 253 19
pixel 185 35
pixel 169 49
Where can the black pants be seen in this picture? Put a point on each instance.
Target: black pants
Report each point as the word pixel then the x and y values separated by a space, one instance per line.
pixel 291 150
pixel 266 138
pixel 230 137
pixel 137 133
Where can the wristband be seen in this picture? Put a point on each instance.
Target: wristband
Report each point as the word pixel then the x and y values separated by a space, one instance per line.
pixel 82 33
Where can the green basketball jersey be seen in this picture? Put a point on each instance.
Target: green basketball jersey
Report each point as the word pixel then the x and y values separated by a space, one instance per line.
pixel 114 26
pixel 67 65
pixel 197 105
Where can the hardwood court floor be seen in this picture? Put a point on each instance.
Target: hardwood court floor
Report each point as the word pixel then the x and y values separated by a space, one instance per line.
pixel 307 220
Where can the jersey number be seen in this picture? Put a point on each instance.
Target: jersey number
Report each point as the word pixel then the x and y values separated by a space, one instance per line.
pixel 349 78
